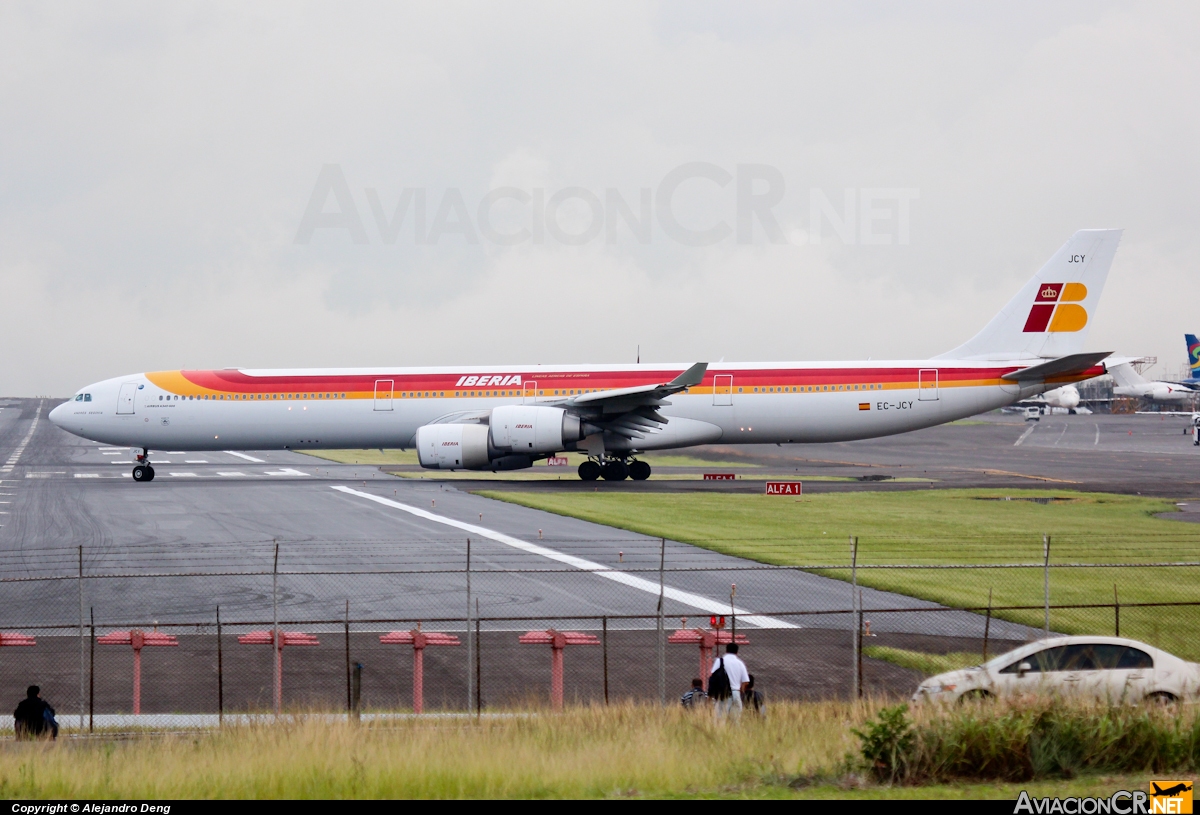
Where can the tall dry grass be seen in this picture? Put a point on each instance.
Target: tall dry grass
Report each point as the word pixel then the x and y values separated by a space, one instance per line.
pixel 579 753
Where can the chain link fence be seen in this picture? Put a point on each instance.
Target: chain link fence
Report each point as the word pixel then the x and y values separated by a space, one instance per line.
pixel 152 637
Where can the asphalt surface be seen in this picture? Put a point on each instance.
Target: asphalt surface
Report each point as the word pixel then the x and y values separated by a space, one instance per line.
pixel 394 551
pixel 398 548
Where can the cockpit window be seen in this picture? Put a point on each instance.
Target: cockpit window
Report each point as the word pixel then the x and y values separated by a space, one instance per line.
pixel 79 397
pixel 87 397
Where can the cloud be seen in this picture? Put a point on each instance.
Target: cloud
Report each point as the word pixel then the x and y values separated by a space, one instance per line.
pixel 156 162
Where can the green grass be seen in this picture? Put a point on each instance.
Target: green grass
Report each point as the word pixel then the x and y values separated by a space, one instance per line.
pixel 365 456
pixel 937 528
pixel 409 457
pixel 618 752
pixel 927 664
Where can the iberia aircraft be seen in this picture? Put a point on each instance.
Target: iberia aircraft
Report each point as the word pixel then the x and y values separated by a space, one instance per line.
pixel 506 418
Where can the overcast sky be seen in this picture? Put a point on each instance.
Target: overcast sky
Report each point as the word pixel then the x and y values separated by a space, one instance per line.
pixel 916 164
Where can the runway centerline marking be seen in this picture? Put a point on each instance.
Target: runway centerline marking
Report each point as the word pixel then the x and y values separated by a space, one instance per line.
pixel 1097 441
pixel 607 572
pixel 1025 435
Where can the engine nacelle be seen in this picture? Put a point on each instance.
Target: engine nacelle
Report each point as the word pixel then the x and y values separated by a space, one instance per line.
pixel 453 446
pixel 533 429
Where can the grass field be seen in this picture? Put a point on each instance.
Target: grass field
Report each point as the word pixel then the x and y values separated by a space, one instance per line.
pixel 797 751
pixel 940 527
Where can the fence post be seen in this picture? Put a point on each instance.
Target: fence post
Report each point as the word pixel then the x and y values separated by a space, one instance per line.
pixel 604 643
pixel 478 660
pixel 92 674
pixel 82 701
pixel 275 633
pixel 662 646
pixel 854 621
pixel 220 675
pixel 349 690
pixel 470 639
pixel 356 693
pixel 1046 581
pixel 858 669
pixel 732 611
pixel 1116 611
pixel 987 625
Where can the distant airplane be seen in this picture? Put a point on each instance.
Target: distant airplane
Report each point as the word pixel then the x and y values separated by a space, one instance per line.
pixel 1064 399
pixel 506 418
pixel 1130 383
pixel 1193 346
pixel 1170 792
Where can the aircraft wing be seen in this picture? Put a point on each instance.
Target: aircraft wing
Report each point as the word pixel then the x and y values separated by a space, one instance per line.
pixel 629 411
pixel 1062 366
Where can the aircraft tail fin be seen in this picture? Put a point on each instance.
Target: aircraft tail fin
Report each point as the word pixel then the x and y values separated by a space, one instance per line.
pixel 1193 346
pixel 1125 376
pixel 1050 315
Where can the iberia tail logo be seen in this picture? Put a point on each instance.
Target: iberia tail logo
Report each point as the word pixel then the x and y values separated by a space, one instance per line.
pixel 1056 308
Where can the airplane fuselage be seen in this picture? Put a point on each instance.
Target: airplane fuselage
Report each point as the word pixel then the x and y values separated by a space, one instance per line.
pixel 382 408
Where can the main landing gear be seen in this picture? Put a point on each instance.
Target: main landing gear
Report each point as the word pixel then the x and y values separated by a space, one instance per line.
pixel 142 471
pixel 614 469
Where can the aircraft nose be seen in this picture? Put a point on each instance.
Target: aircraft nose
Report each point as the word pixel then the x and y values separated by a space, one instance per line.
pixel 59 414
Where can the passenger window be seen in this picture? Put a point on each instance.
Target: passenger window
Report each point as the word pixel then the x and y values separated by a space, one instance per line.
pixel 1134 659
pixel 1078 658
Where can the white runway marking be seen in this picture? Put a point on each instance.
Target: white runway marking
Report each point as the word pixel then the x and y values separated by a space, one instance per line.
pixel 633 581
pixel 202 461
pixel 96 475
pixel 1097 441
pixel 116 453
pixel 285 471
pixel 243 455
pixel 1025 435
pixel 193 475
pixel 234 474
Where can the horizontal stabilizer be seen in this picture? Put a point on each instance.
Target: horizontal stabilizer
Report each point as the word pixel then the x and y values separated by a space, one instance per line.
pixel 1063 366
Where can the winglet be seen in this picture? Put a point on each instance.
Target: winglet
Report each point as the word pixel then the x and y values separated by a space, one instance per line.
pixel 692 376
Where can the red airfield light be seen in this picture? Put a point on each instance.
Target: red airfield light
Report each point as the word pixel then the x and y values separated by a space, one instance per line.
pixel 557 640
pixel 138 639
pixel 285 638
pixel 419 640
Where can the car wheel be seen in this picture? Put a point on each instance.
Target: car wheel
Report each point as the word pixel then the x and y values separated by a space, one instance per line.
pixel 976 695
pixel 1162 699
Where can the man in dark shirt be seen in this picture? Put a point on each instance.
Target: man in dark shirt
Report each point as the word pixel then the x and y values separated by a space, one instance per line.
pixel 33 718
pixel 695 697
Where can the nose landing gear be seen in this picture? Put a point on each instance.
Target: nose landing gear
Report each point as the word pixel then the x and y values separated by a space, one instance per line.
pixel 614 469
pixel 142 471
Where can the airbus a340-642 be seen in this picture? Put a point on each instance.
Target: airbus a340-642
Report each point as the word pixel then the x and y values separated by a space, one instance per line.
pixel 505 418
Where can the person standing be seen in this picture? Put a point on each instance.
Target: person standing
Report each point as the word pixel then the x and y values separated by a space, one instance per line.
pixel 34 718
pixel 727 681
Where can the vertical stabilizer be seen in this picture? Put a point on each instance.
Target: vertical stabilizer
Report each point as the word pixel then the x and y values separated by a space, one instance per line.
pixel 1193 346
pixel 1051 314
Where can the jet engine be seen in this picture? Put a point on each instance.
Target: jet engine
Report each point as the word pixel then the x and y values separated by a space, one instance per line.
pixel 514 435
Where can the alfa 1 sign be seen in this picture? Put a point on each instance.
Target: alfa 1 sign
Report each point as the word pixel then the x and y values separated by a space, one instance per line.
pixel 557 461
pixel 785 488
pixel 719 476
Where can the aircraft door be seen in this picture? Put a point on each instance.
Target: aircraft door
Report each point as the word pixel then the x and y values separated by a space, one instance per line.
pixel 125 397
pixel 528 393
pixel 383 393
pixel 723 389
pixel 927 385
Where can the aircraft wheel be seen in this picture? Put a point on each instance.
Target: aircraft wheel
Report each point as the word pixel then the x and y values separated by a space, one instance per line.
pixel 140 474
pixel 149 473
pixel 589 471
pixel 614 471
pixel 639 470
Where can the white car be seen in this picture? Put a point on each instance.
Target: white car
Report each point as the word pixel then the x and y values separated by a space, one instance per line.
pixel 1107 669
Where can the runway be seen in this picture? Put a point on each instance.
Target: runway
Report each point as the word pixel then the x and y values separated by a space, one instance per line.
pixel 395 548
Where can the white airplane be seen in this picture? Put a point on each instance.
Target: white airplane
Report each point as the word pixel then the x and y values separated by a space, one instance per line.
pixel 1129 383
pixel 502 418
